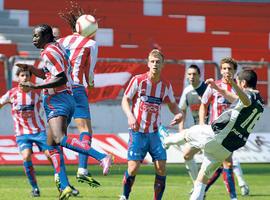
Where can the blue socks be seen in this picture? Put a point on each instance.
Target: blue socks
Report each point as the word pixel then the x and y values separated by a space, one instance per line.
pixel 82 157
pixel 30 173
pixel 159 187
pixel 229 182
pixel 127 184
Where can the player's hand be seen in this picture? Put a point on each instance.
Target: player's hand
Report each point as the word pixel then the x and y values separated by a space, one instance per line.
pixel 27 85
pixel 133 123
pixel 177 119
pixel 228 76
pixel 211 83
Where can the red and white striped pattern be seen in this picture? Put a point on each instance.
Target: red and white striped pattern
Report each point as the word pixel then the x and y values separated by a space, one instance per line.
pixel 28 121
pixel 146 113
pixel 217 100
pixel 82 53
pixel 53 57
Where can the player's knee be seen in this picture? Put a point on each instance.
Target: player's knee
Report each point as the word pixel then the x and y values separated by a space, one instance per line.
pixel 227 165
pixel 187 157
pixel 26 157
pixel 58 139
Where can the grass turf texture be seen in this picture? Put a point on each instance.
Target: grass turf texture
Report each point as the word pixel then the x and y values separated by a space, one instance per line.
pixel 14 184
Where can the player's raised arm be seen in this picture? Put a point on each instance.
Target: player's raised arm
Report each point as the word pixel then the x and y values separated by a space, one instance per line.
pixel 241 94
pixel 59 80
pixel 36 71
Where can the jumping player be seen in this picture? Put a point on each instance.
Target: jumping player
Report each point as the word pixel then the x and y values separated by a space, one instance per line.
pixel 147 91
pixel 59 104
pixel 229 132
pixel 82 53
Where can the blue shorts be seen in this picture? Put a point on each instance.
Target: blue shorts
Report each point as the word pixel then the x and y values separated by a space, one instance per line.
pixel 26 141
pixel 82 106
pixel 141 143
pixel 61 104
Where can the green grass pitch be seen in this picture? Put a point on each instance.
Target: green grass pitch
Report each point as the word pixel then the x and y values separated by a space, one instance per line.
pixel 14 185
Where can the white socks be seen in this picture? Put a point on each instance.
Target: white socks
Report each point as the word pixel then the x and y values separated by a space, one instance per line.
pixel 192 168
pixel 177 138
pixel 237 170
pixel 82 171
pixel 198 191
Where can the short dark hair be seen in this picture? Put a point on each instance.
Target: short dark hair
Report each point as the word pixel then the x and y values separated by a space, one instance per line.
pixel 230 61
pixel 193 66
pixel 19 70
pixel 46 29
pixel 249 76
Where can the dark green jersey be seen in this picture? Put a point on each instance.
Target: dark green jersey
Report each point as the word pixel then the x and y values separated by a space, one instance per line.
pixel 233 126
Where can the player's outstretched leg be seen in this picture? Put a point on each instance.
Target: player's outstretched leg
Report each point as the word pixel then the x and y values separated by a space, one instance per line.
pixel 85 148
pixel 213 179
pixel 83 176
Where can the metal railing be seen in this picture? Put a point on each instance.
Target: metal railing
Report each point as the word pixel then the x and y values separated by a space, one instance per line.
pixel 244 64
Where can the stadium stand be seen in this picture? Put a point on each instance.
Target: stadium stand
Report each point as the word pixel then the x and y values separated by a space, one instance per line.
pixel 242 27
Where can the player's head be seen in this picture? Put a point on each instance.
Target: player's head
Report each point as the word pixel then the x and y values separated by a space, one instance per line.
pixel 193 75
pixel 56 32
pixel 228 66
pixel 70 15
pixel 155 61
pixel 247 79
pixel 42 35
pixel 23 75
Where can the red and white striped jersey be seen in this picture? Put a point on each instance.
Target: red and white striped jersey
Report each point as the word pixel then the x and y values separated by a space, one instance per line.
pixel 25 107
pixel 217 101
pixel 55 62
pixel 82 53
pixel 147 97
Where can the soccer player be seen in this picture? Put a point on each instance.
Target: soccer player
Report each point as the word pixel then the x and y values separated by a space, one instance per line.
pixel 58 101
pixel 218 104
pixel 191 97
pixel 29 125
pixel 82 53
pixel 147 91
pixel 229 132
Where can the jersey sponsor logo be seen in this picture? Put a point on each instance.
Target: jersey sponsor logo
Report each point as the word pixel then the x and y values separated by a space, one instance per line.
pixel 149 108
pixel 150 99
pixel 25 107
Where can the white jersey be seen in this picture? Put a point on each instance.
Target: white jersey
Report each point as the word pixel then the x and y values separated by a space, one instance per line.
pixel 147 98
pixel 191 97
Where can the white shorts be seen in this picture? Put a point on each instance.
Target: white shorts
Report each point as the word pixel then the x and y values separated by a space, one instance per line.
pixel 203 137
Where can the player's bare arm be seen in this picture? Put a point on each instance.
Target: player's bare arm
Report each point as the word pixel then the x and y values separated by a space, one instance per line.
pixel 59 80
pixel 131 119
pixel 37 72
pixel 202 113
pixel 241 94
pixel 181 124
pixel 178 116
pixel 231 97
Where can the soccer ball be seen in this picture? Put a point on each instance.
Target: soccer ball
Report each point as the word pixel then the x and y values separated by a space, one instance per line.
pixel 86 25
